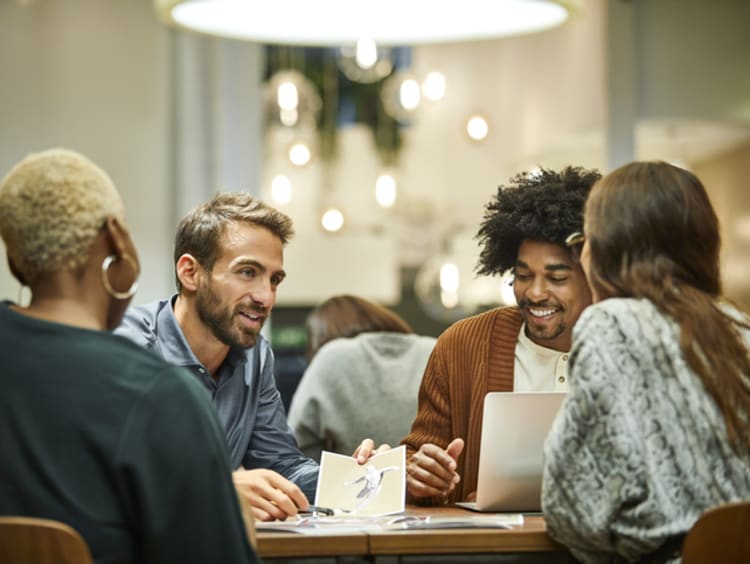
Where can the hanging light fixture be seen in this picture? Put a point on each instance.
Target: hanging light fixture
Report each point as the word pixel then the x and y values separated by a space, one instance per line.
pixel 365 62
pixel 400 95
pixel 385 190
pixel 477 127
pixel 433 86
pixel 291 100
pixel 386 22
pixel 332 219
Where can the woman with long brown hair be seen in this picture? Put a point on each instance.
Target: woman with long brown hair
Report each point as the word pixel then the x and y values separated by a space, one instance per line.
pixel 656 427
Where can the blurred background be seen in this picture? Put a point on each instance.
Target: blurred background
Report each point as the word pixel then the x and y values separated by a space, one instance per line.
pixel 398 146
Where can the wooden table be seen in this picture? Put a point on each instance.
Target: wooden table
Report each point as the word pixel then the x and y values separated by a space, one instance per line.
pixel 531 537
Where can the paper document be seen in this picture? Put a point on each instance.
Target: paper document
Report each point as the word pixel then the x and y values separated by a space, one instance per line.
pixel 344 523
pixel 377 487
pixel 495 521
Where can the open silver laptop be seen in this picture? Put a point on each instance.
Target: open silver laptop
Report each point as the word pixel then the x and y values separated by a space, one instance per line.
pixel 514 427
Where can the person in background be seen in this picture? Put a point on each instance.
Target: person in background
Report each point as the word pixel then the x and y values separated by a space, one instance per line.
pixel 365 366
pixel 229 263
pixel 656 426
pixel 96 432
pixel 519 348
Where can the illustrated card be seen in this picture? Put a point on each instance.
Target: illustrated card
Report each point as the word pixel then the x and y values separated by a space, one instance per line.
pixel 376 487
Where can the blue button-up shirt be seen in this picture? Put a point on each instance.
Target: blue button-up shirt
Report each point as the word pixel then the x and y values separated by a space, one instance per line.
pixel 244 394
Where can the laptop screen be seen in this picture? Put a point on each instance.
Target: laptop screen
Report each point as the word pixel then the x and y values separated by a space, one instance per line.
pixel 514 427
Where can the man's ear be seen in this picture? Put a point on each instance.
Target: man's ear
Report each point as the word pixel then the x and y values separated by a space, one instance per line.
pixel 188 271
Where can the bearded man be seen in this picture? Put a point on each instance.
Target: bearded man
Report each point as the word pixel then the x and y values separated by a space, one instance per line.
pixel 519 348
pixel 229 256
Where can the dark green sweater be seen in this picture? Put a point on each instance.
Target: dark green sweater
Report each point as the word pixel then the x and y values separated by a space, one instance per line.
pixel 106 437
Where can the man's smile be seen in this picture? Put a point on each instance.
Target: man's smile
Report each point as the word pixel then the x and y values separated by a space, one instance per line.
pixel 542 311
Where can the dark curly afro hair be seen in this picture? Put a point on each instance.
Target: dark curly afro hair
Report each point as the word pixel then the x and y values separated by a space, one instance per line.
pixel 542 205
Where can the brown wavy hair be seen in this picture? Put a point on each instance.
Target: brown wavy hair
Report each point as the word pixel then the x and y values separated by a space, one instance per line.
pixel 200 231
pixel 652 233
pixel 347 316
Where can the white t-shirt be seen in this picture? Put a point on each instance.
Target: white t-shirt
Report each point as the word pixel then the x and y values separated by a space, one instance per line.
pixel 537 368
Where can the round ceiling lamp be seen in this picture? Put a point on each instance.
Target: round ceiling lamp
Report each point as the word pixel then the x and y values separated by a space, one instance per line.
pixel 387 22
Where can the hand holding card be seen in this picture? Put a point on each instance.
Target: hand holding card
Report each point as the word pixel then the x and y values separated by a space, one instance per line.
pixel 374 488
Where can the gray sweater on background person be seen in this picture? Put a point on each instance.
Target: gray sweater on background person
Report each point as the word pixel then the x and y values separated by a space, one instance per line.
pixel 363 386
pixel 639 449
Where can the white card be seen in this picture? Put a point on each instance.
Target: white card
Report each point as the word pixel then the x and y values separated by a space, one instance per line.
pixel 377 487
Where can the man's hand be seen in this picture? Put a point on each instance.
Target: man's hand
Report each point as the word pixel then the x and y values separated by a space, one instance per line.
pixel 270 495
pixel 431 471
pixel 367 450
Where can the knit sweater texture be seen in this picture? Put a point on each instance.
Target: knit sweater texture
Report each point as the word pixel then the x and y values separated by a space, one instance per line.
pixel 639 450
pixel 472 357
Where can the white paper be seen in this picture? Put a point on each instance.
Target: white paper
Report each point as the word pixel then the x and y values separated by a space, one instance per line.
pixel 377 487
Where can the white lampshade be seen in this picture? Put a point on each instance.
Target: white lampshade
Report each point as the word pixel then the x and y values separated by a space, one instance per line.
pixel 387 22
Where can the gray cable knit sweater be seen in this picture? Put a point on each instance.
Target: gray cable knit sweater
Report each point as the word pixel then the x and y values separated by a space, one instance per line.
pixel 639 449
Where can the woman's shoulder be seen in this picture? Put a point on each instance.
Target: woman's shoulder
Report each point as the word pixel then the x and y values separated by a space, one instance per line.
pixel 144 370
pixel 614 311
pixel 620 307
pixel 631 320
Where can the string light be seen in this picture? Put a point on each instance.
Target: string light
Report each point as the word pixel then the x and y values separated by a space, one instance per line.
pixel 281 189
pixel 299 154
pixel 366 54
pixel 332 220
pixel 433 86
pixel 477 127
pixel 385 190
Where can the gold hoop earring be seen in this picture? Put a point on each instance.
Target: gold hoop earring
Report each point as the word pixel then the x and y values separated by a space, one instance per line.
pixel 105 278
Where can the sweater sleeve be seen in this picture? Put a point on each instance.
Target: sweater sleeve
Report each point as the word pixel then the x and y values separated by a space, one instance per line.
pixel 306 412
pixel 432 423
pixel 595 494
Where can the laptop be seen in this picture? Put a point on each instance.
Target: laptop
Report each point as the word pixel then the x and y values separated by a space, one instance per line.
pixel 514 427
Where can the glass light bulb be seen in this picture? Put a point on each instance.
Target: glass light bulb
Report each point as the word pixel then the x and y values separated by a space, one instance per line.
pixel 287 96
pixel 385 190
pixel 332 220
pixel 299 154
pixel 433 86
pixel 366 53
pixel 449 277
pixel 409 94
pixel 281 189
pixel 477 127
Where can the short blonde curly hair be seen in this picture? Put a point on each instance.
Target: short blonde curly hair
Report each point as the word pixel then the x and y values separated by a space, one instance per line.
pixel 52 205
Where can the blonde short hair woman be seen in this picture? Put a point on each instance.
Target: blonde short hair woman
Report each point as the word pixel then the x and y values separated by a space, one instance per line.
pixel 95 431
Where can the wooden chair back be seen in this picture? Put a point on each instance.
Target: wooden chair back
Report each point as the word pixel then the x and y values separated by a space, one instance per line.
pixel 30 540
pixel 722 534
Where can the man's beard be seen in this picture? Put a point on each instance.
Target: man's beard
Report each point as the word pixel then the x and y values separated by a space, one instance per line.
pixel 220 320
pixel 545 334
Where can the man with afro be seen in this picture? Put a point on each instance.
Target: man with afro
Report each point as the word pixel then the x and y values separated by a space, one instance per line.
pixel 520 348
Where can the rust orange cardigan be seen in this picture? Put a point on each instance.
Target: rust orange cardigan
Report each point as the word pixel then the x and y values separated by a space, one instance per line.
pixel 473 356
